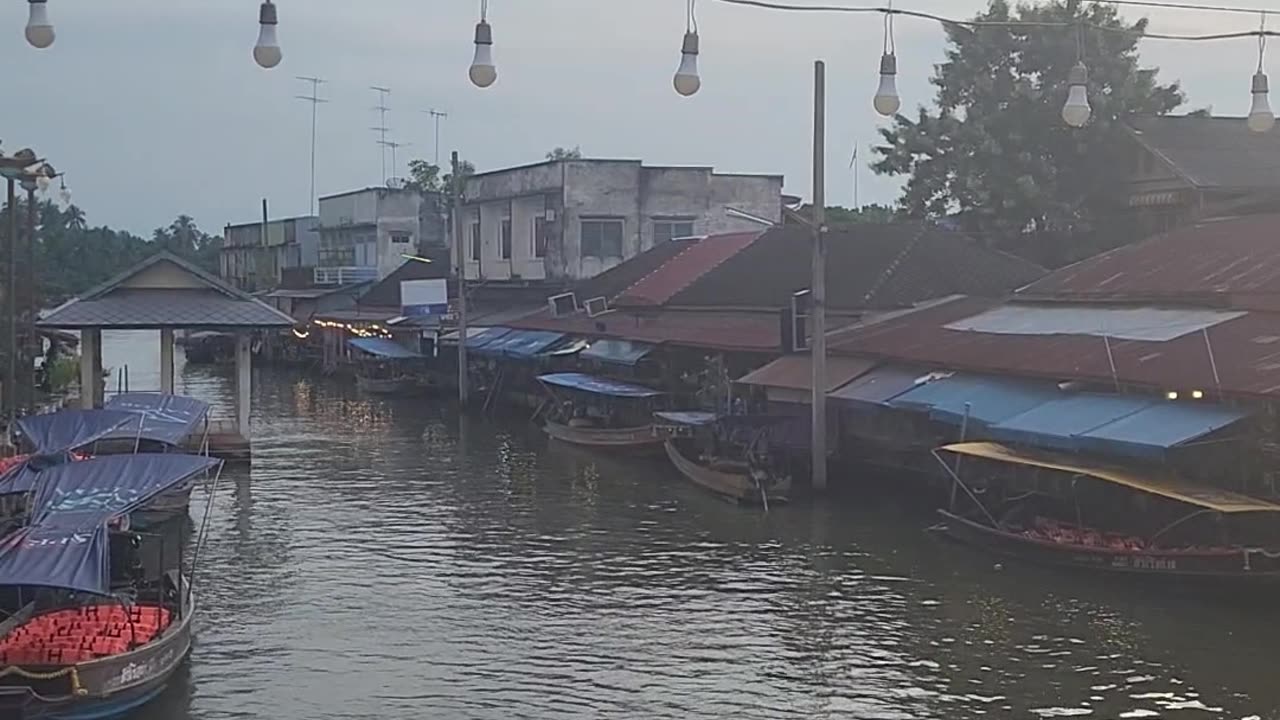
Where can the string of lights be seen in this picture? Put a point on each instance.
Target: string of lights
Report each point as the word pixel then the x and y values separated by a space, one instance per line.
pixel 687 82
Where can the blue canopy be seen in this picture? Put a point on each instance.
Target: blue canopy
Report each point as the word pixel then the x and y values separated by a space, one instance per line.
pixel 72 429
pixel 66 543
pixel 689 417
pixel 618 352
pixel 988 400
pixel 1152 431
pixel 483 338
pixel 167 418
pixel 877 386
pixel 1060 423
pixel 598 385
pixel 383 348
pixel 521 343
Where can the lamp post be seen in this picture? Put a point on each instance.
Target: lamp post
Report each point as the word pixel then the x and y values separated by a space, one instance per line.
pixel 13 168
pixel 30 184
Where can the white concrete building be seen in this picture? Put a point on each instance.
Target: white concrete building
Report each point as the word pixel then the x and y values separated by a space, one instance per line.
pixel 572 219
pixel 365 233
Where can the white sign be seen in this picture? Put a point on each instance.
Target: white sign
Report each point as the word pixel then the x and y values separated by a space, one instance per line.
pixel 424 297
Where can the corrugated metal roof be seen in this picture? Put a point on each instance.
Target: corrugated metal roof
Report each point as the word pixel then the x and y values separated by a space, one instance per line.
pixel 1154 430
pixel 1231 261
pixel 1060 423
pixel 979 399
pixel 1213 152
pixel 1245 350
pixel 878 386
pixel 717 330
pixel 698 258
pixel 795 372
pixel 1126 323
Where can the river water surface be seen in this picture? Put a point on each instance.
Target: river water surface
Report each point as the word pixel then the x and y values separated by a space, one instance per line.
pixel 382 560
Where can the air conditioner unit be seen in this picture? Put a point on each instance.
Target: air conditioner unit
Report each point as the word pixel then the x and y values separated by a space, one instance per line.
pixel 563 304
pixel 596 306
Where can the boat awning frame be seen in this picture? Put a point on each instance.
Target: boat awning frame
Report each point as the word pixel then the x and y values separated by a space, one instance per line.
pixel 598 385
pixel 384 348
pixel 1209 498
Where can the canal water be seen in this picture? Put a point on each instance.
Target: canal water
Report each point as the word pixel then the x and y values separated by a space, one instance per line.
pixel 382 560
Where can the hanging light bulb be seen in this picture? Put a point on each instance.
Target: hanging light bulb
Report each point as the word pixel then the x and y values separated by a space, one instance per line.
pixel 43 182
pixel 887 101
pixel 64 193
pixel 267 52
pixel 686 80
pixel 483 72
pixel 39 30
pixel 1261 119
pixel 1077 111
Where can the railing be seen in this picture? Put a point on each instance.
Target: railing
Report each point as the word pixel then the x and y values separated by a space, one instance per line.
pixel 344 275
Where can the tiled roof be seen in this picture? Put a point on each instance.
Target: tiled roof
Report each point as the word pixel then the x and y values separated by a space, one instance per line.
pixel 1213 152
pixel 215 305
pixel 160 308
pixel 1245 350
pixel 677 273
pixel 868 267
pixel 1230 261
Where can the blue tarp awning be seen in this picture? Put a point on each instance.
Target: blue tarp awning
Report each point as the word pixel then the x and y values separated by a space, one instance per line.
pixel 383 348
pixel 988 400
pixel 483 338
pixel 1060 423
pixel 694 418
pixel 598 385
pixel 66 543
pixel 521 343
pixel 618 352
pixel 166 418
pixel 878 386
pixel 1154 430
pixel 72 429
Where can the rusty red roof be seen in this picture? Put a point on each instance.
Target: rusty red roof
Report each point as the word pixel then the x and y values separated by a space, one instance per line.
pixel 1245 348
pixel 678 272
pixel 1231 262
pixel 718 330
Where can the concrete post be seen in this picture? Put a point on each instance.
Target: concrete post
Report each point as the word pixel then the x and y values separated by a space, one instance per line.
pixel 89 375
pixel 244 366
pixel 818 455
pixel 166 361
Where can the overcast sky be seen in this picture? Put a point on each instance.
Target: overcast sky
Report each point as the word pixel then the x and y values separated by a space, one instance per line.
pixel 155 108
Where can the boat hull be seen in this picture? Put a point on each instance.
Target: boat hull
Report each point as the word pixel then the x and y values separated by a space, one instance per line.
pixel 738 487
pixel 109 687
pixel 1249 565
pixel 634 439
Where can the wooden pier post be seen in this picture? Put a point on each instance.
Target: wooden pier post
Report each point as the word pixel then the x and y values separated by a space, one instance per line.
pixel 166 361
pixel 90 367
pixel 244 379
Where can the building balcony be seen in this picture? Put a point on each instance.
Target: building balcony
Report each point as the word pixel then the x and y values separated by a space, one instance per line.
pixel 344 275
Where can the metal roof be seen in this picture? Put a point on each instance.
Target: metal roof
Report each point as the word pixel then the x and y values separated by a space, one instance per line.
pixel 960 398
pixel 795 372
pixel 1212 152
pixel 1125 323
pixel 712 329
pixel 383 348
pixel 1154 430
pixel 1230 261
pixel 1060 423
pixel 878 386
pixel 695 260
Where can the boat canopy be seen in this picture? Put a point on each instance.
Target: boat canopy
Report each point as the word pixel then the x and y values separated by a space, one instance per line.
pixel 598 385
pixel 475 341
pixel 71 429
pixel 383 348
pixel 691 418
pixel 982 399
pixel 521 343
pixel 66 543
pixel 1210 498
pixel 617 352
pixel 166 418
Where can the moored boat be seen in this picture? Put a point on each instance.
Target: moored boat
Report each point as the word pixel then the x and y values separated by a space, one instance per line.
pixel 724 454
pixel 1171 539
pixel 601 413
pixel 386 367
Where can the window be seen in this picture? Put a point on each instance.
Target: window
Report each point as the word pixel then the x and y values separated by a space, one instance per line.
pixel 665 230
pixel 401 238
pixel 506 238
pixel 539 237
pixel 602 238
pixel 475 238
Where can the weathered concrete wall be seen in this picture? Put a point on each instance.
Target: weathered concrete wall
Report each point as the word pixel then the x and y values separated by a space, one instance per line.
pixel 397 217
pixel 597 190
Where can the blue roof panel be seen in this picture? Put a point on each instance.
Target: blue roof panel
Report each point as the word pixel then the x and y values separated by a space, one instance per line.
pixel 877 387
pixel 1154 430
pixel 598 385
pixel 488 335
pixel 984 399
pixel 1060 423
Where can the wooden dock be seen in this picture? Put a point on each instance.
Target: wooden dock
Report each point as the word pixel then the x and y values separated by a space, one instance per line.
pixel 225 442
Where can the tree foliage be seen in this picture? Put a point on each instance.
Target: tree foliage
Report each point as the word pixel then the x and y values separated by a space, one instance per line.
pixel 996 150
pixel 560 153
pixel 427 177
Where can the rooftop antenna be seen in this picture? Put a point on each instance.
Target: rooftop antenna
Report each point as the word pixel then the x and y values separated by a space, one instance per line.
pixel 437 116
pixel 382 129
pixel 315 100
pixel 853 165
pixel 393 145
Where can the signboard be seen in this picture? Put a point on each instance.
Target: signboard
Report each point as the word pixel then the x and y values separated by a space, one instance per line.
pixel 424 297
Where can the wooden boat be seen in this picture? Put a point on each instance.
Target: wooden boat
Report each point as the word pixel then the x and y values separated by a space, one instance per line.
pixel 733 480
pixel 1248 557
pixel 602 413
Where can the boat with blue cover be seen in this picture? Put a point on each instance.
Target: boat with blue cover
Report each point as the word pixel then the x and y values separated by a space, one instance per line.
pixel 602 413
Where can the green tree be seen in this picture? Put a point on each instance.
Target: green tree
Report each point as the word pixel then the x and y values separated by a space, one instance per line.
pixel 867 214
pixel 426 177
pixel 560 153
pixel 996 150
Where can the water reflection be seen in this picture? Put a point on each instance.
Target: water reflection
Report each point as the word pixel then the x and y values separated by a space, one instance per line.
pixel 382 560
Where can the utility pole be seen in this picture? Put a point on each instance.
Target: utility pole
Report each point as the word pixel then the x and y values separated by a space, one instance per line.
pixel 29 327
pixel 11 371
pixel 455 193
pixel 382 129
pixel 437 116
pixel 315 100
pixel 819 280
